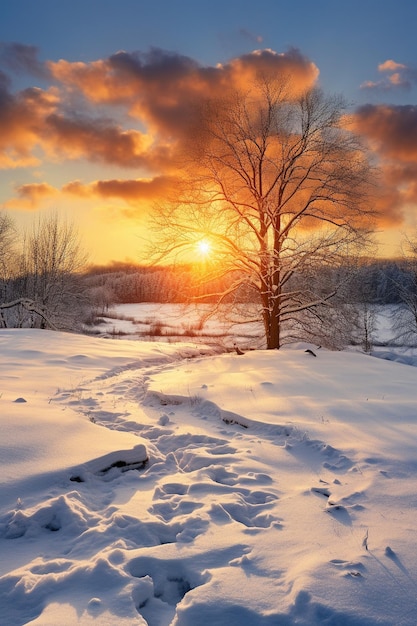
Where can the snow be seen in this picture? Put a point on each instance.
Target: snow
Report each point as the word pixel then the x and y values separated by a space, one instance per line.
pixel 175 322
pixel 161 483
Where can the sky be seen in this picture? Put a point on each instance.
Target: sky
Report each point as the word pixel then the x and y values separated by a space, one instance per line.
pixel 94 98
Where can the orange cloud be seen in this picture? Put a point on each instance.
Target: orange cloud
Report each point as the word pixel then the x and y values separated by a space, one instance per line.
pixel 391 132
pixel 136 110
pixel 92 79
pixel 391 66
pixel 131 191
pixel 22 123
pixel 159 89
pixel 162 88
pixel 398 75
pixel 292 66
pixel 31 196
pixel 36 191
pixel 31 119
pixel 96 140
pixel 35 121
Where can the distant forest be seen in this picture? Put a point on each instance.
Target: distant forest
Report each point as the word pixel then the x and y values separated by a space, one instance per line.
pixel 377 282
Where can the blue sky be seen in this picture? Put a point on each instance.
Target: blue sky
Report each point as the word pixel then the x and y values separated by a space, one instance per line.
pixel 364 50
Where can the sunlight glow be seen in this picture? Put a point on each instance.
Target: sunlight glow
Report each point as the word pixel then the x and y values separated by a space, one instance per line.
pixel 204 247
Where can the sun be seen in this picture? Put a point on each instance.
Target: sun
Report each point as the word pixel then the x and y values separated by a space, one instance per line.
pixel 204 247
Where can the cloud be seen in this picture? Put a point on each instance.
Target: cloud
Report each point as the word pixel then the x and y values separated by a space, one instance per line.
pixel 36 191
pixel 162 89
pixel 397 75
pixel 21 59
pixel 137 193
pixel 132 191
pixel 391 66
pixel 5 84
pixel 292 66
pixel 31 196
pixel 97 139
pixel 22 123
pixel 136 111
pixel 391 131
pixel 150 100
pixel 34 119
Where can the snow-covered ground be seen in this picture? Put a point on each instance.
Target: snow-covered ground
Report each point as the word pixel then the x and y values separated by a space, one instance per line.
pixel 158 483
pixel 176 322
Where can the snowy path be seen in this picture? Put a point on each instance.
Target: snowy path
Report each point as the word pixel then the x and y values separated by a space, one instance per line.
pixel 267 498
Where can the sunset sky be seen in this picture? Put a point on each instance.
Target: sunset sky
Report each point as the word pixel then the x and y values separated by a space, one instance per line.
pixel 94 97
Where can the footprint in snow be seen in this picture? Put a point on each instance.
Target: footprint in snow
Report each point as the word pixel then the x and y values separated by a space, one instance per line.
pixel 349 569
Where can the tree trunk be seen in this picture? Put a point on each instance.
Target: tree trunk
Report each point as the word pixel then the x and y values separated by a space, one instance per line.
pixel 273 340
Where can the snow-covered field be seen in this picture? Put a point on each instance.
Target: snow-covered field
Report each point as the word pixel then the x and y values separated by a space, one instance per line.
pixel 159 483
pixel 179 322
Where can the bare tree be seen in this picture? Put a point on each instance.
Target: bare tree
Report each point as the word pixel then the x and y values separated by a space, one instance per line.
pixel 405 314
pixel 7 257
pixel 7 241
pixel 51 260
pixel 365 319
pixel 279 186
